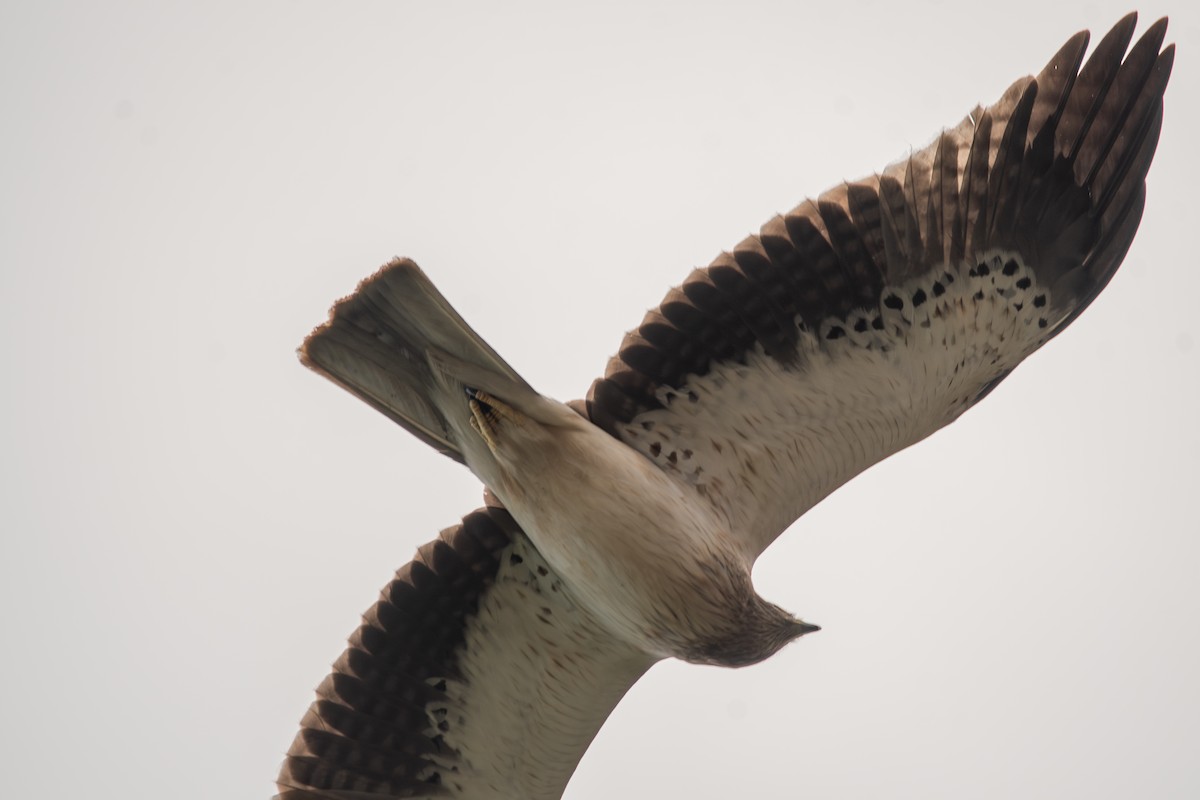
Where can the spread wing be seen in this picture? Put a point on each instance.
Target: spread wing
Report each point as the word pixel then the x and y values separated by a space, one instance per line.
pixel 475 675
pixel 862 322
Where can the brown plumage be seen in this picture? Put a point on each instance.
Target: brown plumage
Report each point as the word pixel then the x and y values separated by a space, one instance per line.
pixel 845 330
pixel 1055 170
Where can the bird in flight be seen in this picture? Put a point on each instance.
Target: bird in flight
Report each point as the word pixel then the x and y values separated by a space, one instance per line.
pixel 621 530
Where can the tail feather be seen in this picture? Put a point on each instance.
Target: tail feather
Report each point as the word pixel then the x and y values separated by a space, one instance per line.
pixel 390 380
pixel 389 344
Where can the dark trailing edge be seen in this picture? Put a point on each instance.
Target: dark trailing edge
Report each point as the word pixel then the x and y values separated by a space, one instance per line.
pixel 369 729
pixel 1055 171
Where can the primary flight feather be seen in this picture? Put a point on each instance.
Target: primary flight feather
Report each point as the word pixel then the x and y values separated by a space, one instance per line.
pixel 622 530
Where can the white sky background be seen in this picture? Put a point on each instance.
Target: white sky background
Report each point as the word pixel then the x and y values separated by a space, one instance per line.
pixel 192 523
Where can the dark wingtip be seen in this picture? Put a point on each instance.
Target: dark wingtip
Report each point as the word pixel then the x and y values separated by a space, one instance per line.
pixel 1116 42
pixel 1159 28
pixel 1127 22
pixel 1166 61
pixel 1070 55
pixel 1153 36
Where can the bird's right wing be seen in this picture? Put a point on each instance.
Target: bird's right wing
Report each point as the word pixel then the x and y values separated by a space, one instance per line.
pixel 861 322
pixel 476 675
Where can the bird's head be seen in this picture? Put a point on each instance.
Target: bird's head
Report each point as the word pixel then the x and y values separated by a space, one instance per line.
pixel 760 631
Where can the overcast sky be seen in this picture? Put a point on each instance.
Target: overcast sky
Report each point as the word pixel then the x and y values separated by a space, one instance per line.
pixel 191 523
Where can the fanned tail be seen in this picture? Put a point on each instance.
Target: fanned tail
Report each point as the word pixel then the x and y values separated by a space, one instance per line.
pixel 398 345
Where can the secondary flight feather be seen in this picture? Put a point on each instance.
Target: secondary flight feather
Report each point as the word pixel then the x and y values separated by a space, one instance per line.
pixel 622 530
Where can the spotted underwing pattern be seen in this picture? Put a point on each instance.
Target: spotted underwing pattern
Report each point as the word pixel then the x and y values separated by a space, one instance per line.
pixel 846 329
pixel 863 321
pixel 400 714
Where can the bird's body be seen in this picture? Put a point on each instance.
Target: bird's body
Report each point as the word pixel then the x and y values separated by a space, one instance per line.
pixel 605 518
pixel 662 551
pixel 625 528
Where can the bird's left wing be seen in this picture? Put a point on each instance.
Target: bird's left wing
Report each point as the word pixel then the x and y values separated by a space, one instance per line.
pixel 476 675
pixel 862 322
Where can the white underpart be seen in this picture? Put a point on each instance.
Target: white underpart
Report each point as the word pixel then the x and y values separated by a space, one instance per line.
pixel 538 678
pixel 654 566
pixel 763 443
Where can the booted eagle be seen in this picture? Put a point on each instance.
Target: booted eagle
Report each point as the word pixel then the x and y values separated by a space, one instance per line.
pixel 622 529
